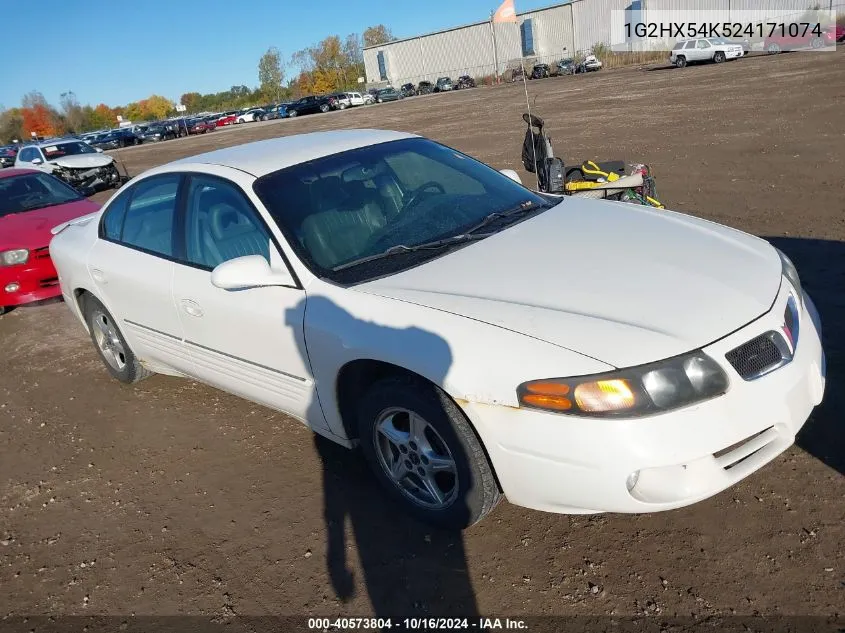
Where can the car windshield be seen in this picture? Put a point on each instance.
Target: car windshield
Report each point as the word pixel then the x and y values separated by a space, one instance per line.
pixel 341 209
pixel 33 191
pixel 60 150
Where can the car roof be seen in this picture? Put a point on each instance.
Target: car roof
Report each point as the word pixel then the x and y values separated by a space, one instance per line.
pixel 17 171
pixel 263 157
pixel 51 143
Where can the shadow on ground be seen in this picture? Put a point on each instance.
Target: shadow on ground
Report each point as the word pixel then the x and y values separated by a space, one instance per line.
pixel 821 265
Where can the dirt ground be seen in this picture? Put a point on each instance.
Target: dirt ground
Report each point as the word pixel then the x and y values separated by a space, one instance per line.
pixel 174 498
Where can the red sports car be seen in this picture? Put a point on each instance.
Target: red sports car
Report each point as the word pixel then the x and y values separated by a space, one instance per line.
pixel 31 203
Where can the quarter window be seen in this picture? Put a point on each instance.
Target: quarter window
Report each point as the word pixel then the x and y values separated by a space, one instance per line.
pixel 113 216
pixel 148 224
pixel 221 224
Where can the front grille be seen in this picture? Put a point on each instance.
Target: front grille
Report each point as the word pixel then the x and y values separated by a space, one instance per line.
pixel 41 253
pixel 760 355
pixel 49 282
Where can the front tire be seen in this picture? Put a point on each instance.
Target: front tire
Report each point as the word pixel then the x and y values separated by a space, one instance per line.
pixel 719 57
pixel 681 61
pixel 425 454
pixel 292 113
pixel 324 108
pixel 119 360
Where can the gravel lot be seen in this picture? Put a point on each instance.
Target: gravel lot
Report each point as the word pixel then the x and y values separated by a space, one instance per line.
pixel 173 498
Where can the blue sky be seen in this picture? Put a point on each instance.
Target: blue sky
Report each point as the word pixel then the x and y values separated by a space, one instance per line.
pixel 116 53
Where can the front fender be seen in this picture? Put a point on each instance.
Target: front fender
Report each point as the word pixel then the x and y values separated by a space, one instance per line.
pixel 473 362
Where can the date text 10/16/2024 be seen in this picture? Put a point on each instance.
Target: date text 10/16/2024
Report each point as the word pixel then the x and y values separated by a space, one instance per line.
pixel 416 624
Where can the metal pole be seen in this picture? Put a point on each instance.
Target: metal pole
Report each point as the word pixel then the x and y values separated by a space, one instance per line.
pixel 495 51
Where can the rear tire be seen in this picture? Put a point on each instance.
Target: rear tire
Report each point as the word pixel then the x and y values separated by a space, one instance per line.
pixel 112 348
pixel 458 487
pixel 293 113
pixel 773 49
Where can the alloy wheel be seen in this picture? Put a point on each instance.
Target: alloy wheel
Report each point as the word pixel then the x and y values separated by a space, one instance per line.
pixel 108 340
pixel 416 458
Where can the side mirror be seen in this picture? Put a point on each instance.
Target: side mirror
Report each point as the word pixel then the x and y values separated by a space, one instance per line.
pixel 510 173
pixel 251 271
pixel 37 161
pixel 99 149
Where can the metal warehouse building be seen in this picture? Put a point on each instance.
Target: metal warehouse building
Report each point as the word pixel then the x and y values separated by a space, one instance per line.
pixel 543 35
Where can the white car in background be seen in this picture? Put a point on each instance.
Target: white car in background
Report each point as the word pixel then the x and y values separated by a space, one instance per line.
pixel 251 116
pixel 704 50
pixel 592 63
pixel 72 160
pixel 474 337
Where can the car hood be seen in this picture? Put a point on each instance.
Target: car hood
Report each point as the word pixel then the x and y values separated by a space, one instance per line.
pixel 83 161
pixel 31 229
pixel 621 283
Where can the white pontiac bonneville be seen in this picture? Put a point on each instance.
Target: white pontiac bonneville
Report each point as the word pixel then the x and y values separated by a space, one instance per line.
pixel 476 338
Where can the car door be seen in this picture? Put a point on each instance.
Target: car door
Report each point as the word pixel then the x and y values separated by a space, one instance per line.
pixel 131 265
pixel 691 51
pixel 250 341
pixel 703 50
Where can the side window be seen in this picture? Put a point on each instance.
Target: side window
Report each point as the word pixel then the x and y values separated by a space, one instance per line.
pixel 221 224
pixel 112 222
pixel 703 44
pixel 690 44
pixel 149 217
pixel 27 154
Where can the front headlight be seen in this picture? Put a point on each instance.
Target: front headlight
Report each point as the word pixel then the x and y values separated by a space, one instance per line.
pixel 14 257
pixel 634 392
pixel 791 273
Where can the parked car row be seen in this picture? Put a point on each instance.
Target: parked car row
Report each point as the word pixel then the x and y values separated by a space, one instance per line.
pixel 566 66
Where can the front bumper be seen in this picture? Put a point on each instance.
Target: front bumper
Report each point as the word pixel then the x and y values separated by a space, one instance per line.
pixel 36 280
pixel 94 177
pixel 559 463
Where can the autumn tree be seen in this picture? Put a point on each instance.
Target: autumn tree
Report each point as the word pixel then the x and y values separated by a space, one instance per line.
pixel 191 100
pixel 11 125
pixel 38 117
pixel 270 74
pixel 76 118
pixel 375 35
pixel 103 117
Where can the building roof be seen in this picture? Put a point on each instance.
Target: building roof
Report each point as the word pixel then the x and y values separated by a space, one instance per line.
pixel 464 26
pixel 263 157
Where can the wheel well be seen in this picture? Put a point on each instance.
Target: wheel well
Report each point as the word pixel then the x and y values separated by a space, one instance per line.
pixel 80 294
pixel 353 379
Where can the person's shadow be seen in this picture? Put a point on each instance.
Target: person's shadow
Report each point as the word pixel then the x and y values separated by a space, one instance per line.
pixel 821 267
pixel 408 569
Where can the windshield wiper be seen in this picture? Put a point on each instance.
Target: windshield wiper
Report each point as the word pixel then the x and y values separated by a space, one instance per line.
pixel 523 207
pixel 401 249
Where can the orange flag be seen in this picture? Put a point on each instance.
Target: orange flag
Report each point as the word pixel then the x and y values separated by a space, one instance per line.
pixel 505 13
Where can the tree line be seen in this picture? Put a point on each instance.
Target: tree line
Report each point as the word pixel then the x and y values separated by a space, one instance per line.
pixel 331 65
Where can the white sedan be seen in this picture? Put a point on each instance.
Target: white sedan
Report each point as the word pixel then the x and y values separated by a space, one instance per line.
pixel 251 116
pixel 475 338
